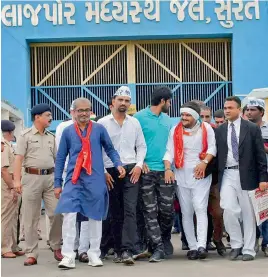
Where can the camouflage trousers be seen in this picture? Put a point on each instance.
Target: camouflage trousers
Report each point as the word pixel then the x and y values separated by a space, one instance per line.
pixel 158 210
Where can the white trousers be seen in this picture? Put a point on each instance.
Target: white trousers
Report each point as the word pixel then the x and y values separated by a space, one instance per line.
pixel 237 209
pixel 91 234
pixel 195 200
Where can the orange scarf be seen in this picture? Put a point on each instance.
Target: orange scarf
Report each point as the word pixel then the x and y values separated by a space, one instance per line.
pixel 178 144
pixel 84 157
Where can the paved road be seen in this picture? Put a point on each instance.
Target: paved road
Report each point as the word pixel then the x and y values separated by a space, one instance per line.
pixel 214 266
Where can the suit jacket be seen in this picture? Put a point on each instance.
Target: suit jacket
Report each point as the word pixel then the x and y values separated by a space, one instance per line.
pixel 252 157
pixel 212 167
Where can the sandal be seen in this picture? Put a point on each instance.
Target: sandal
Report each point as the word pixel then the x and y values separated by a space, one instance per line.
pixel 83 258
pixel 9 255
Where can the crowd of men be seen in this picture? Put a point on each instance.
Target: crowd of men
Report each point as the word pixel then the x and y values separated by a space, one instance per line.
pixel 111 184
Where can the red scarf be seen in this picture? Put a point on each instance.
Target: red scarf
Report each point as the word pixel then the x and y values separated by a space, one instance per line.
pixel 84 157
pixel 178 144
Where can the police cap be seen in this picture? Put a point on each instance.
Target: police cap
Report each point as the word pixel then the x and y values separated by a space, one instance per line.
pixel 40 108
pixel 7 126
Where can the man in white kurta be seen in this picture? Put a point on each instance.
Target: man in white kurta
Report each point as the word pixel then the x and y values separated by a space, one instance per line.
pixel 192 185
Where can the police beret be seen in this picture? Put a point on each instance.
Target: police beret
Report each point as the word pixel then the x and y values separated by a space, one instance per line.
pixel 7 126
pixel 40 108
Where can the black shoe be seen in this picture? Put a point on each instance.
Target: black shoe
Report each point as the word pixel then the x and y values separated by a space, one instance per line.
pixel 184 246
pixel 235 253
pixel 220 247
pixel 247 257
pixel 202 253
pixel 76 254
pixel 168 248
pixel 192 255
pixel 117 258
pixel 157 256
pixel 103 256
pixel 127 258
pixel 210 247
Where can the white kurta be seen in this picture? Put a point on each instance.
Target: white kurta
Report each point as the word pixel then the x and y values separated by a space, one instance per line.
pixel 192 193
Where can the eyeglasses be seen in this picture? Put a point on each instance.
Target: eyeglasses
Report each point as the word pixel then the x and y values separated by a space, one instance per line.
pixel 83 111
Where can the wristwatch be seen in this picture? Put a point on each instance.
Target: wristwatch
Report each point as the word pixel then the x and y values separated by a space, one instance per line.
pixel 205 161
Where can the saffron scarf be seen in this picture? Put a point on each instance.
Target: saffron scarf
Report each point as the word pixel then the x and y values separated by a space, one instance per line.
pixel 178 144
pixel 84 157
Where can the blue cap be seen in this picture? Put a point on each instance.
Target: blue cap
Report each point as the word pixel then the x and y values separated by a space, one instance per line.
pixel 40 108
pixel 7 126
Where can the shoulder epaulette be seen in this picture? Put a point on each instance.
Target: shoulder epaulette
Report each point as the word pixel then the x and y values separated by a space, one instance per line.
pixel 51 133
pixel 24 132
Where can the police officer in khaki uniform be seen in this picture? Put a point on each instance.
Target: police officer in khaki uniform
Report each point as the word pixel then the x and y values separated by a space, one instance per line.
pixel 2 143
pixel 9 197
pixel 36 150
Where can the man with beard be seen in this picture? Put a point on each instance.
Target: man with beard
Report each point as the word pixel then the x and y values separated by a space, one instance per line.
pixel 219 117
pixel 191 146
pixel 157 196
pixel 255 112
pixel 81 245
pixel 85 189
pixel 36 150
pixel 127 138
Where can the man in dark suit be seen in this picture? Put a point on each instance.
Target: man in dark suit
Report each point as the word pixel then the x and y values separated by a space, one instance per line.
pixel 242 167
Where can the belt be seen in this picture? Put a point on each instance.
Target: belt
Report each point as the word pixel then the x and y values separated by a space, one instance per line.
pixel 232 167
pixel 38 171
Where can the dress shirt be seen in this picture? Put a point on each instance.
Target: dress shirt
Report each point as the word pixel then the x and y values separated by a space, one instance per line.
pixel 127 139
pixel 58 135
pixel 230 158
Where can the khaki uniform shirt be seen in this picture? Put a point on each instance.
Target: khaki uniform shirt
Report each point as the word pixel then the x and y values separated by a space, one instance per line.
pixel 7 159
pixel 39 151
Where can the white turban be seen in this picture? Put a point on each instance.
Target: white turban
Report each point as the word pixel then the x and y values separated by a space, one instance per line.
pixel 190 111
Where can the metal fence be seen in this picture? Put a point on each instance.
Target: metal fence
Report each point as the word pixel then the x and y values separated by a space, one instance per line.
pixel 61 97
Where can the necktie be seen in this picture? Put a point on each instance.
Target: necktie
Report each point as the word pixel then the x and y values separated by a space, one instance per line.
pixel 234 143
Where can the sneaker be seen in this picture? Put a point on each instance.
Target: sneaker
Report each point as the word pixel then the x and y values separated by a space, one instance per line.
pixel 265 250
pixel 94 260
pixel 127 258
pixel 157 256
pixel 168 248
pixel 67 263
pixel 117 258
pixel 104 256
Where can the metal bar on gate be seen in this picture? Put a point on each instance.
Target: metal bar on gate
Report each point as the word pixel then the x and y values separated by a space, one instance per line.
pixel 184 83
pixel 91 85
pixel 53 102
pixel 181 96
pixel 227 90
pixel 95 97
pixel 36 97
pixel 215 92
pixel 174 89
